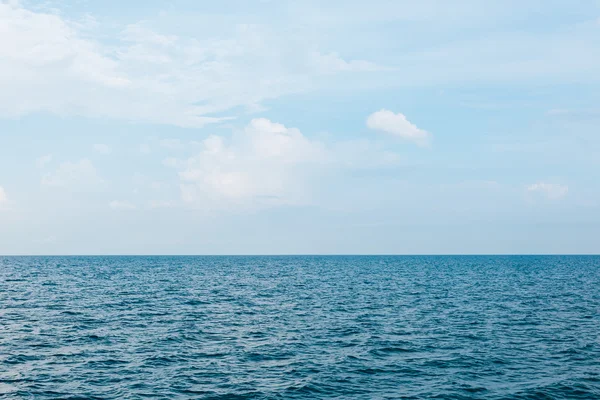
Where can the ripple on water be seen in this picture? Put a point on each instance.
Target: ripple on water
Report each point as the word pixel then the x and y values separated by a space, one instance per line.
pixel 300 327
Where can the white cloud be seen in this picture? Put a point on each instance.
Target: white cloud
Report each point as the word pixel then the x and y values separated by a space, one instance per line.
pixel 154 204
pixel 145 181
pixel 75 175
pixel 102 148
pixel 48 239
pixel 451 51
pixel 257 166
pixel 142 75
pixel 473 185
pixel 171 162
pixel 397 125
pixel 46 55
pixel 269 164
pixel 332 63
pixel 171 144
pixel 558 111
pixel 551 191
pixel 155 185
pixel 3 196
pixel 42 161
pixel 139 74
pixel 121 205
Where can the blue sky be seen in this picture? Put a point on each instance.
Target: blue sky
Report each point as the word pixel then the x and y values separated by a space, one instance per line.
pixel 274 127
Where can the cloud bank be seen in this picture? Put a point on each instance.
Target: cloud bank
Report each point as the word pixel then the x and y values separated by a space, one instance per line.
pixel 269 164
pixel 146 76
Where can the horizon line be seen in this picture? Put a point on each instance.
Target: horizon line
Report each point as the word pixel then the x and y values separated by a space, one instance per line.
pixel 307 255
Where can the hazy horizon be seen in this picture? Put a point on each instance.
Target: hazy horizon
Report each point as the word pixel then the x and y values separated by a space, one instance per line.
pixel 315 255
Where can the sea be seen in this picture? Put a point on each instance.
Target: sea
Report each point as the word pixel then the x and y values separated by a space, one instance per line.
pixel 300 327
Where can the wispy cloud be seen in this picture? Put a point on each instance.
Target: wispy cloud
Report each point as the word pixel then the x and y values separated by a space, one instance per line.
pixel 3 197
pixel 102 149
pixel 44 160
pixel 121 205
pixel 553 191
pixel 80 174
pixel 171 144
pixel 144 75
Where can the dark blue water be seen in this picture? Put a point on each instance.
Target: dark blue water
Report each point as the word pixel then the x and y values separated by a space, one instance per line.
pixel 300 327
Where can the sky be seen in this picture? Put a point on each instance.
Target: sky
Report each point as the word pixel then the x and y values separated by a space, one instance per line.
pixel 299 127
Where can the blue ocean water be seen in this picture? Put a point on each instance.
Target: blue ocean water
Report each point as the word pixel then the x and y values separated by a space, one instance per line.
pixel 385 327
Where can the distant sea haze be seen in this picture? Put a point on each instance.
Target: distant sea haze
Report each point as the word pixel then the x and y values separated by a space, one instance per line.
pixel 300 327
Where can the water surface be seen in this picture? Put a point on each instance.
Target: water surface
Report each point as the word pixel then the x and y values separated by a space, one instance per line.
pixel 506 327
